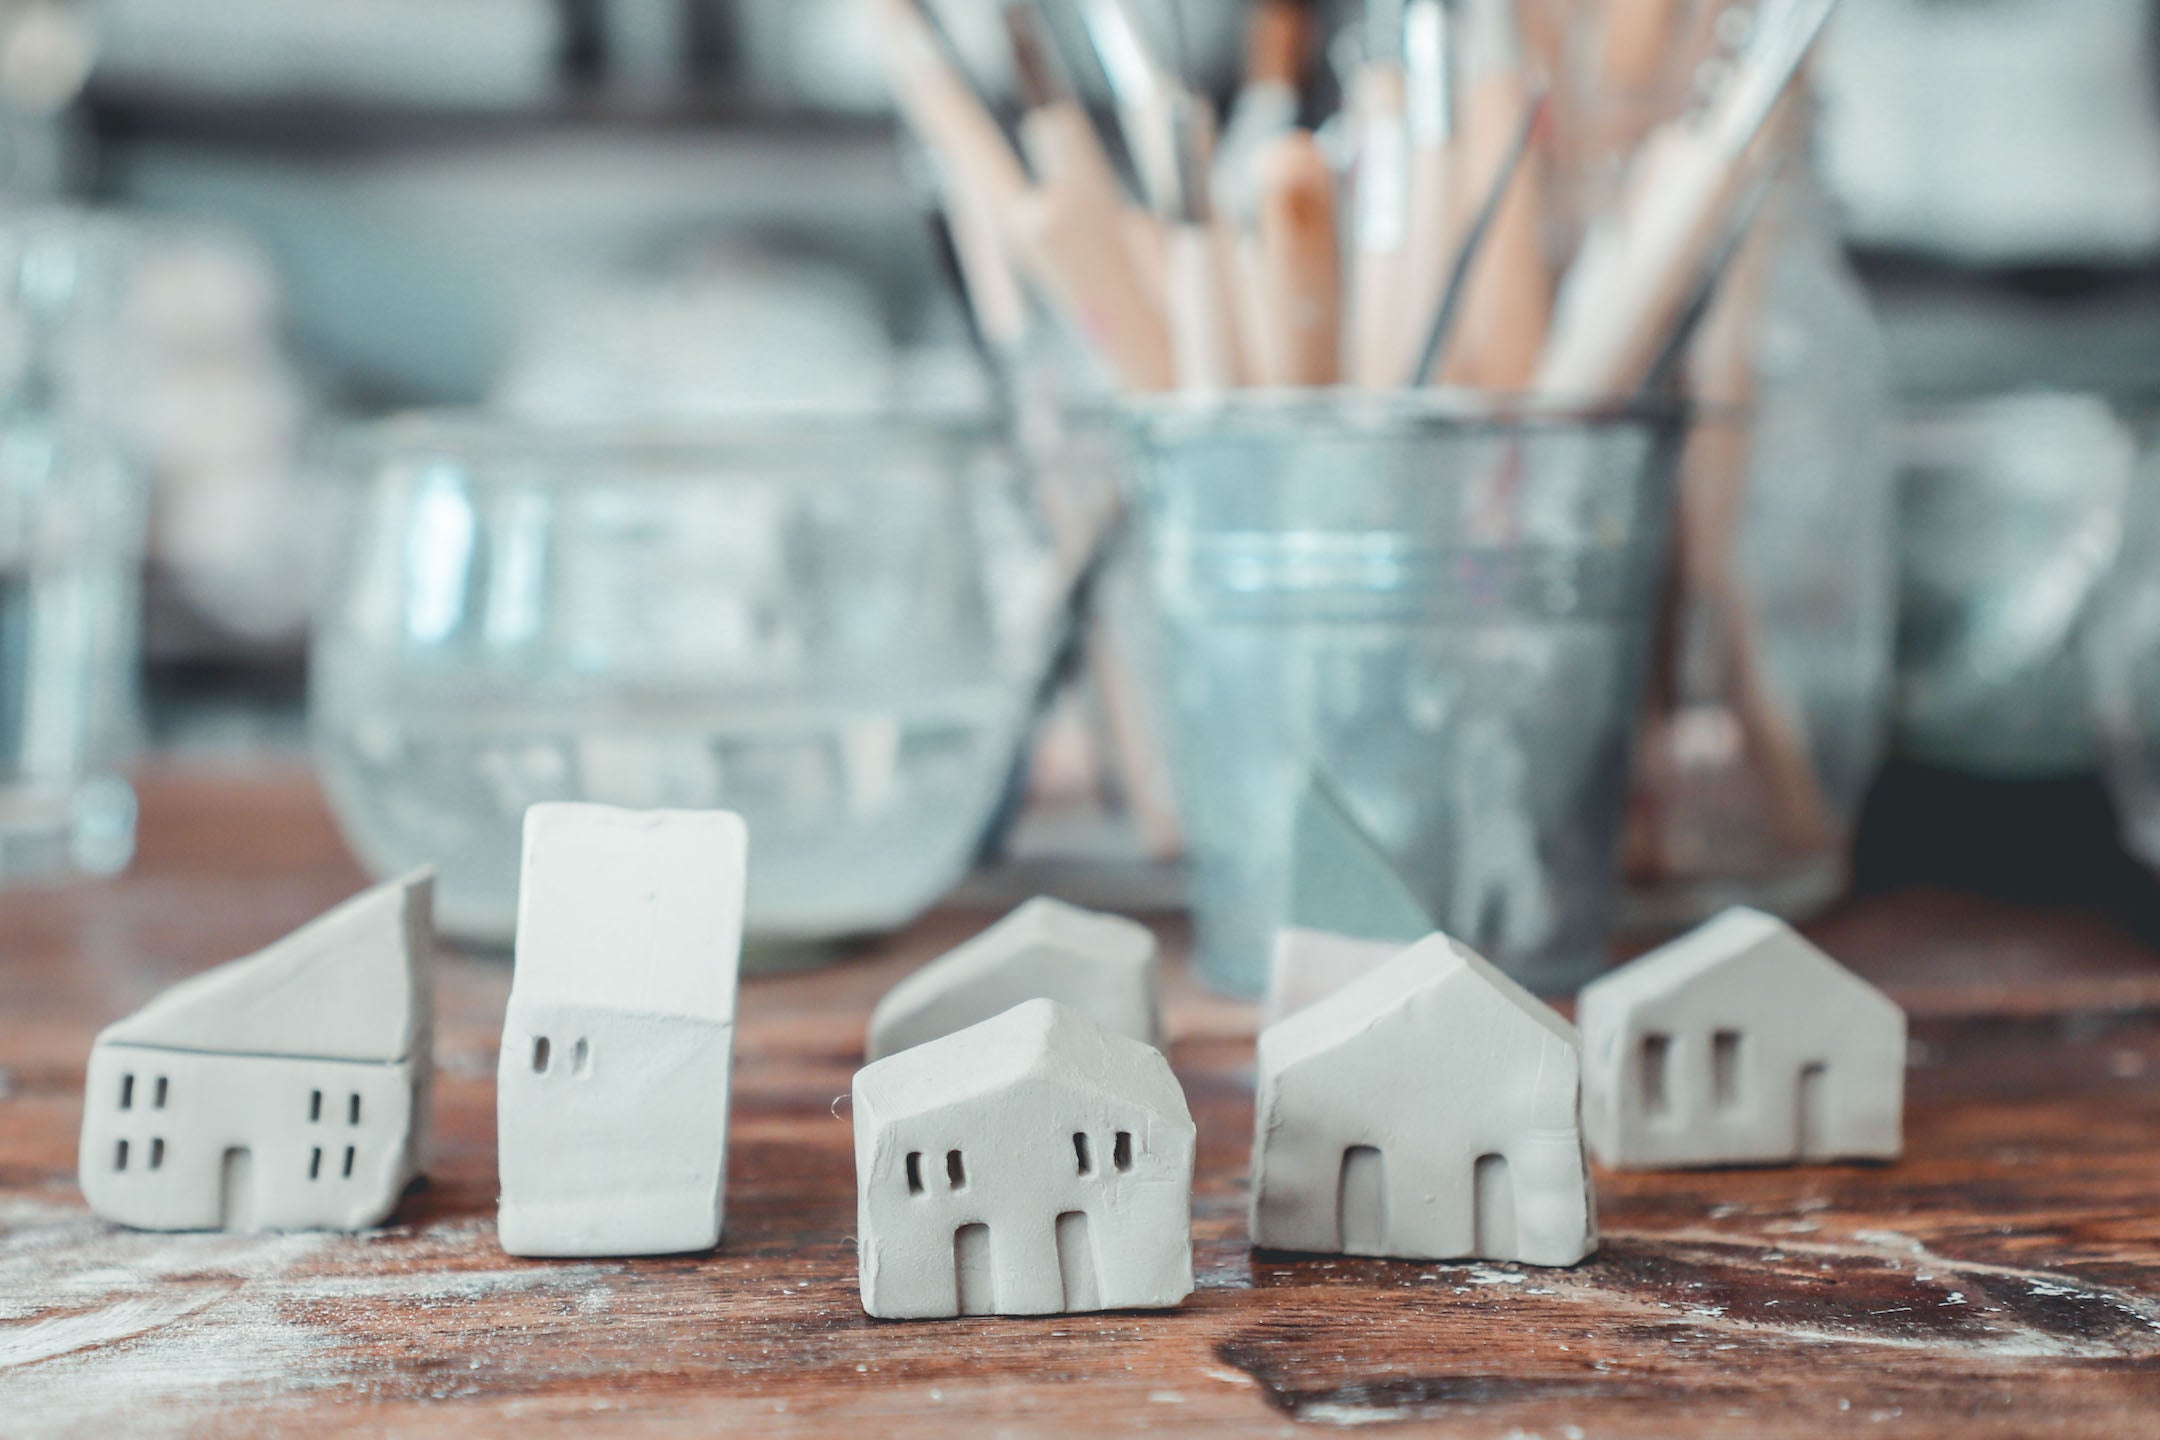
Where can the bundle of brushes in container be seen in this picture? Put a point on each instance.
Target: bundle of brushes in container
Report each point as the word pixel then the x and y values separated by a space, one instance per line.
pixel 1409 238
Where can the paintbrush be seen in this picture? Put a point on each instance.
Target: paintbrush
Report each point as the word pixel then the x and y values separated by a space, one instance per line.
pixel 1299 264
pixel 1640 277
pixel 1507 309
pixel 1380 201
pixel 1277 35
pixel 1476 240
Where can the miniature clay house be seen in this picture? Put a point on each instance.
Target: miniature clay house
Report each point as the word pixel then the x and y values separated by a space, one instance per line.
pixel 1029 1165
pixel 284 1091
pixel 1305 966
pixel 612 1084
pixel 1740 1043
pixel 1426 1110
pixel 1101 965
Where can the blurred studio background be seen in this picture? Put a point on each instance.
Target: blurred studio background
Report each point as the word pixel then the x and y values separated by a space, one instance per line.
pixel 479 402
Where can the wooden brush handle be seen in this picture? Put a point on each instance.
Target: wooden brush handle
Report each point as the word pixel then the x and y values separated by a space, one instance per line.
pixel 1064 150
pixel 941 110
pixel 1642 280
pixel 1203 337
pixel 1639 38
pixel 1300 270
pixel 992 287
pixel 1508 307
pixel 1276 37
pixel 1380 226
pixel 1078 253
pixel 1437 218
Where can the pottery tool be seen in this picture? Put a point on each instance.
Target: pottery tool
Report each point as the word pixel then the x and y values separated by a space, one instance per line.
pixel 1064 147
pixel 1507 309
pixel 1077 226
pixel 1146 94
pixel 1170 133
pixel 1475 240
pixel 1716 339
pixel 1693 173
pixel 1299 264
pixel 1056 134
pixel 1707 289
pixel 1713 495
pixel 1380 200
pixel 1203 320
pixel 1061 235
pixel 1277 35
pixel 973 256
pixel 944 108
pixel 1435 218
pixel 1635 42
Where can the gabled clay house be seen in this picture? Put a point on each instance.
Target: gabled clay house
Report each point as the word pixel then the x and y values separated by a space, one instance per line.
pixel 612 1084
pixel 1104 966
pixel 284 1091
pixel 1028 1165
pixel 1740 1043
pixel 1426 1110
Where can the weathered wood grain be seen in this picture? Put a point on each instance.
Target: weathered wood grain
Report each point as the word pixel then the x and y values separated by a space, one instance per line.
pixel 2002 1280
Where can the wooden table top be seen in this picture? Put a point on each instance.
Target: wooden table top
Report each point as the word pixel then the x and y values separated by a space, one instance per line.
pixel 2004 1279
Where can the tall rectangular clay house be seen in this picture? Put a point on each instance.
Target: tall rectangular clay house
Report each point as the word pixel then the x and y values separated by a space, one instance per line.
pixel 612 1086
pixel 284 1091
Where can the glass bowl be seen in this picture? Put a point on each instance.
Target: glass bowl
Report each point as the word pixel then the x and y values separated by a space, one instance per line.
pixel 837 627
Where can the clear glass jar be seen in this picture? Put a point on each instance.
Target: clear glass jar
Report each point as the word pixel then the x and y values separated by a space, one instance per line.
pixel 837 628
pixel 73 519
pixel 2013 516
pixel 1440 612
pixel 2120 650
pixel 1771 709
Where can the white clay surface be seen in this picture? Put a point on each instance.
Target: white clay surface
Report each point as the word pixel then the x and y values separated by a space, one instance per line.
pixel 352 984
pixel 612 1086
pixel 1103 966
pixel 1740 1043
pixel 210 1108
pixel 1309 965
pixel 1051 1172
pixel 1425 1111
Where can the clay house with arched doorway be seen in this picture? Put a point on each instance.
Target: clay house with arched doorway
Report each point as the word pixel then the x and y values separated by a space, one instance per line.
pixel 1425 1111
pixel 1032 1164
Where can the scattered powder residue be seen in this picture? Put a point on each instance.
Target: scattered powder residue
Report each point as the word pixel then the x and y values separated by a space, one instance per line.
pixel 104 1329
